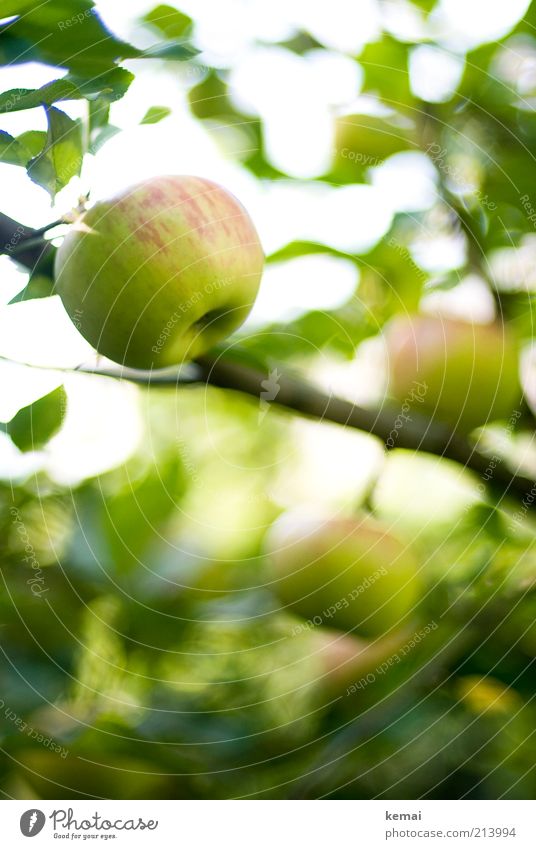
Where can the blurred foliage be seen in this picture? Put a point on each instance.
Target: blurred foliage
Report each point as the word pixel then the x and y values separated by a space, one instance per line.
pixel 138 634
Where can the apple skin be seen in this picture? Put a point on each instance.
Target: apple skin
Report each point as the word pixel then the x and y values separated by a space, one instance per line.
pixel 161 272
pixel 344 658
pixel 469 373
pixel 320 568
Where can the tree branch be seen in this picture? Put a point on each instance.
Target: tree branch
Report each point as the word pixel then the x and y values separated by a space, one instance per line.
pixel 413 432
pixel 416 432
pixel 13 235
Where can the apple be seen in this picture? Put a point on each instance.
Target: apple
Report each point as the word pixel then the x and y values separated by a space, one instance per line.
pixel 466 374
pixel 345 660
pixel 351 574
pixel 160 272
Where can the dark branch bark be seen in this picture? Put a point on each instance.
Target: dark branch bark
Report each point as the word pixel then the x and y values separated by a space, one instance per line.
pixel 13 235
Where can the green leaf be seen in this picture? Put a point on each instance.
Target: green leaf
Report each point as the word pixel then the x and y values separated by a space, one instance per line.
pixel 111 86
pixel 210 98
pixel 11 151
pixel 303 248
pixel 102 136
pixel 425 5
pixel 99 114
pixel 70 34
pixel 65 33
pixel 390 273
pixel 61 158
pixel 176 49
pixel 365 141
pixel 169 21
pixel 33 141
pixel 155 114
pixel 16 7
pixel 134 515
pixel 301 42
pixel 38 286
pixel 117 83
pixel 17 99
pixel 35 425
pixel 385 64
pixel 19 151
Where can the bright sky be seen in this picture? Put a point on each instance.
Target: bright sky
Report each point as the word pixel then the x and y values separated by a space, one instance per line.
pixel 296 98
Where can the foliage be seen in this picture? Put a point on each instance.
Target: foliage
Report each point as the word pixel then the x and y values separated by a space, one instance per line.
pixel 139 631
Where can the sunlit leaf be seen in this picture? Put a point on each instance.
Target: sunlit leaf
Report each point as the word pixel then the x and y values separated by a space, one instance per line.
pixel 38 286
pixel 134 515
pixel 35 425
pixel 70 34
pixel 61 158
pixel 169 21
pixel 155 114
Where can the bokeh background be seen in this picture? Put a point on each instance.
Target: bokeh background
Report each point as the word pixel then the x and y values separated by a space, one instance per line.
pixel 384 149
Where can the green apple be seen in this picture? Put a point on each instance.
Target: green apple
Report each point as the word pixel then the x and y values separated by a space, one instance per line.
pixel 161 272
pixel 464 374
pixel 352 574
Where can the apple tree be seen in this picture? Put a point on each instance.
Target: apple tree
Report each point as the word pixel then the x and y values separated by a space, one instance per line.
pixel 267 454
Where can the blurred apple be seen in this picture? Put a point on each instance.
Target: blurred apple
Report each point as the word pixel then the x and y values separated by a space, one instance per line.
pixel 464 374
pixel 352 573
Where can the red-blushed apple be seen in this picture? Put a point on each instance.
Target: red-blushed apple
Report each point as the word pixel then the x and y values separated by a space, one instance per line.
pixel 161 272
pixel 467 373
pixel 350 573
pixel 344 658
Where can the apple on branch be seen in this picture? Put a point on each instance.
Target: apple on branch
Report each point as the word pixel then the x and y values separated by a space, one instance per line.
pixel 161 272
